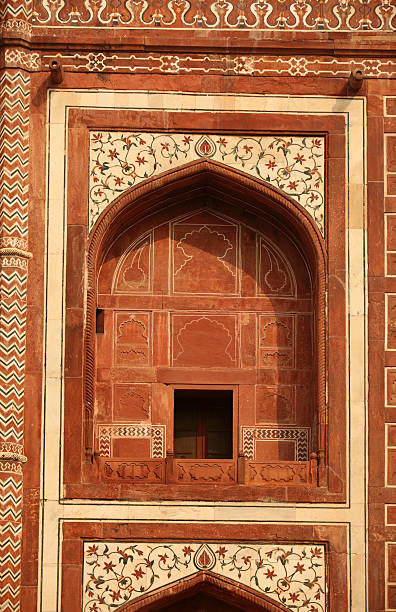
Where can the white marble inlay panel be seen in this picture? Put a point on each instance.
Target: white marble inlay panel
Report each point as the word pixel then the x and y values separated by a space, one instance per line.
pixel 107 433
pixel 299 435
pixel 121 160
pixel 291 574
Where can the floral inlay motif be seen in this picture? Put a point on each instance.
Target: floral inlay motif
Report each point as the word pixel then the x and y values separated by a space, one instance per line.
pixel 116 573
pixel 292 164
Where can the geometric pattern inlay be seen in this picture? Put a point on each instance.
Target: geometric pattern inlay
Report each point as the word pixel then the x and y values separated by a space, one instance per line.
pixel 292 164
pixel 155 433
pixel 119 572
pixel 200 63
pixel 299 435
pixel 14 160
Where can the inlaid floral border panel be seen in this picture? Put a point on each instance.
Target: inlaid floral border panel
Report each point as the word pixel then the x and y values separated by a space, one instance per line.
pixel 291 574
pixel 309 15
pixel 121 160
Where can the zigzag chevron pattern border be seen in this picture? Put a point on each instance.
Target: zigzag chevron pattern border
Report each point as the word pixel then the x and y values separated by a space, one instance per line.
pixel 15 9
pixel 14 160
pixel 14 152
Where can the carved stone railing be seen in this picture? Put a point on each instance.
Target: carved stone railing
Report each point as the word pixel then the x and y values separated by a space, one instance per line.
pixel 133 470
pixel 210 471
pixel 278 473
pixel 216 471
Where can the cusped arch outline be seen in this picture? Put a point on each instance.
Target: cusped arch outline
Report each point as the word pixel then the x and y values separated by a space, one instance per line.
pixel 219 587
pixel 253 195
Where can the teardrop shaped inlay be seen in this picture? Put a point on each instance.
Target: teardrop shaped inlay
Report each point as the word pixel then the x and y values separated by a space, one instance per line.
pixel 205 147
pixel 204 558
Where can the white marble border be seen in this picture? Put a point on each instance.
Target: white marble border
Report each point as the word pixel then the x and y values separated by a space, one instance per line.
pixel 55 511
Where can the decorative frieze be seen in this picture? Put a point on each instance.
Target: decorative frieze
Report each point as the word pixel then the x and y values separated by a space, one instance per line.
pixel 294 15
pixel 290 574
pixel 292 164
pixel 201 63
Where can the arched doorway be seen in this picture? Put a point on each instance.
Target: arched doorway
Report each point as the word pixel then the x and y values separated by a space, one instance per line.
pixel 201 602
pixel 205 592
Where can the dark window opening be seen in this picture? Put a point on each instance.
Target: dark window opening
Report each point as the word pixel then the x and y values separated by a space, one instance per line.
pixel 203 424
pixel 99 321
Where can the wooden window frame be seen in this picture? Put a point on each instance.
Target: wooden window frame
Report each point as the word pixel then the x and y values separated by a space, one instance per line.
pixel 208 387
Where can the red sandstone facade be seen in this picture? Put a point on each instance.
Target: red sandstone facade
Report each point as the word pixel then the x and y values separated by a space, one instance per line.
pixel 197 314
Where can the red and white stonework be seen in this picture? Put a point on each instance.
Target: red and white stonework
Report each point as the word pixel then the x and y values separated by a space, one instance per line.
pixel 333 15
pixel 197 200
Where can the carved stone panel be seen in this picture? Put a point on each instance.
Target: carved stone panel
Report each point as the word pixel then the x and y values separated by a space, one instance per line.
pixel 204 340
pixel 277 473
pixel 293 164
pixel 298 436
pixel 132 338
pixel 391 154
pixel 134 274
pixel 285 572
pixel 133 471
pixel 205 255
pixel 391 184
pixel 274 276
pixel 391 321
pixel 391 232
pixel 275 404
pixel 391 455
pixel 390 380
pixel 277 340
pixel 154 434
pixel 221 472
pixel 132 402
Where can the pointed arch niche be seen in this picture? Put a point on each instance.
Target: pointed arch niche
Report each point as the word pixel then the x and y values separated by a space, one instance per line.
pixel 203 281
pixel 205 591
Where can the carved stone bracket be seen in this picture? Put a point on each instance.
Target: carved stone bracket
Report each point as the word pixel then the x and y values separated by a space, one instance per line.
pixel 15 252
pixel 11 257
pixel 12 457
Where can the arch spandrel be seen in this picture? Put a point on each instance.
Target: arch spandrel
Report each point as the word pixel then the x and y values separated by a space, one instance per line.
pixel 292 164
pixel 150 576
